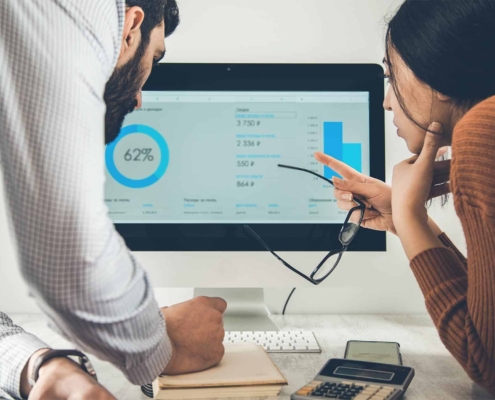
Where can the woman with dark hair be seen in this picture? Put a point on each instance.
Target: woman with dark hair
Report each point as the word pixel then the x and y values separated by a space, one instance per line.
pixel 440 59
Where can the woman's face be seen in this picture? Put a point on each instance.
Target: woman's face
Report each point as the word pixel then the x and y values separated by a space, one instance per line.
pixel 423 105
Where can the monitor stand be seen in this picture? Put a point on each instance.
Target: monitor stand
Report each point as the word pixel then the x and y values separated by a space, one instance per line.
pixel 246 309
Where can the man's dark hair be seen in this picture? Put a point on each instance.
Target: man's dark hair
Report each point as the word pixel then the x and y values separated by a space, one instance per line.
pixel 156 12
pixel 125 82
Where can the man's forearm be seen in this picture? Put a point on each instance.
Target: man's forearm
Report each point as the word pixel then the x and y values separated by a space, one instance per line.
pixel 52 115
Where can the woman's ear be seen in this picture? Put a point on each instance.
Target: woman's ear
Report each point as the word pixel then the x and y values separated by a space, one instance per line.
pixel 131 35
pixel 442 97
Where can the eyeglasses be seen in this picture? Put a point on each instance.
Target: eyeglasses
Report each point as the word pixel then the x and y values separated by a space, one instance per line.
pixel 347 233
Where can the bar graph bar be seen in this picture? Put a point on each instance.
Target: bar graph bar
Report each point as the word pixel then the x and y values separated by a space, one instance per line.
pixel 334 146
pixel 333 140
pixel 352 155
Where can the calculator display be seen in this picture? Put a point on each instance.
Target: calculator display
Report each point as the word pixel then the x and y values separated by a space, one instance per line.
pixel 363 373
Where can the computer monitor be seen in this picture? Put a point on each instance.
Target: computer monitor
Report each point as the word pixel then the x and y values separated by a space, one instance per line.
pixel 199 161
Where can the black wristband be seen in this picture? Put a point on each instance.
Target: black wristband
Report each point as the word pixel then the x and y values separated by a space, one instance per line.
pixel 84 362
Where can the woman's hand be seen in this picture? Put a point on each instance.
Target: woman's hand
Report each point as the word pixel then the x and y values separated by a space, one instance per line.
pixel 413 184
pixel 376 194
pixel 418 179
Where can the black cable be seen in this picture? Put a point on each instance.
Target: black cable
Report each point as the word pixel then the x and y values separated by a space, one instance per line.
pixel 288 298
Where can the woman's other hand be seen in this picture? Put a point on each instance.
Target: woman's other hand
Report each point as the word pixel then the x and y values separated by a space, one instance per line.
pixel 377 195
pixel 418 179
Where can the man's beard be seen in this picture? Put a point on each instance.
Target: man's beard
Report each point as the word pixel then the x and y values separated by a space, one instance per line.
pixel 120 93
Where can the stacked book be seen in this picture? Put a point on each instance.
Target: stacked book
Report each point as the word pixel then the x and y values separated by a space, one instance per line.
pixel 245 371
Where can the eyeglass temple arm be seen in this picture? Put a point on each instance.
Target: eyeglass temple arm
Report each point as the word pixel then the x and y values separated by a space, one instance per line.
pixel 262 242
pixel 319 176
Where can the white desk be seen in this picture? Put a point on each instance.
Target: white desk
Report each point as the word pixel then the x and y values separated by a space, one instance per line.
pixel 438 376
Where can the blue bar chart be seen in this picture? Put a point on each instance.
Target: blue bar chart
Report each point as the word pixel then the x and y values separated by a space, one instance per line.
pixel 334 146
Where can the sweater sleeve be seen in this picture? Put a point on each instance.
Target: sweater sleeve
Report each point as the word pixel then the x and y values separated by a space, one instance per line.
pixel 460 295
pixel 449 244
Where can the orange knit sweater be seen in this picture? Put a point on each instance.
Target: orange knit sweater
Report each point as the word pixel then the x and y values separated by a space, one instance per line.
pixel 460 292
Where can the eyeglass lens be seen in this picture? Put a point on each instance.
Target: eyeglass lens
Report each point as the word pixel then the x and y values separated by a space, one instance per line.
pixel 327 267
pixel 351 226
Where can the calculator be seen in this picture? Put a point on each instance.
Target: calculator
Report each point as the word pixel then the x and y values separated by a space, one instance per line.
pixel 357 380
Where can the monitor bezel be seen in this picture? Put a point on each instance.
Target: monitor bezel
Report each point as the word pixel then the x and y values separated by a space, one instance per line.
pixel 266 77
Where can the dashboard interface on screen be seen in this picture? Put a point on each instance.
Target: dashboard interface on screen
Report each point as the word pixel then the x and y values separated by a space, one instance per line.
pixel 211 157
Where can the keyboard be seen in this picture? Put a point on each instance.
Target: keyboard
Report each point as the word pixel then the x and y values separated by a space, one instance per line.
pixel 277 342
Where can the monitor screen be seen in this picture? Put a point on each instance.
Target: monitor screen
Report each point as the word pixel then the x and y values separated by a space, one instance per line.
pixel 199 161
pixel 189 157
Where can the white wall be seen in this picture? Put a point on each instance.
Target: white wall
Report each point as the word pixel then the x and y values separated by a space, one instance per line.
pixel 288 31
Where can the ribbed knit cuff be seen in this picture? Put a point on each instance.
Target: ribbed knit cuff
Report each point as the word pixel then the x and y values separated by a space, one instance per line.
pixel 435 267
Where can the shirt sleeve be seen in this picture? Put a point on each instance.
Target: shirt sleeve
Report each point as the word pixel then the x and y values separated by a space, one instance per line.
pixel 55 59
pixel 16 348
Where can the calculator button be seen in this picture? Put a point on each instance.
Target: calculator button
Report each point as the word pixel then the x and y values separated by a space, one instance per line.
pixel 361 397
pixel 304 391
pixel 382 394
pixel 331 396
pixel 348 383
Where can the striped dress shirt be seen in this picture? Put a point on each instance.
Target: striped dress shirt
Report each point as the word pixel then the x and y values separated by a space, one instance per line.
pixel 55 59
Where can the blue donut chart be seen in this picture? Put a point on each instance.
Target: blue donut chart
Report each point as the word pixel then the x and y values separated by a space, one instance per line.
pixel 155 176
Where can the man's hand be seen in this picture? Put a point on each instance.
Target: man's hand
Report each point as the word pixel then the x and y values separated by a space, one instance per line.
pixel 63 379
pixel 195 329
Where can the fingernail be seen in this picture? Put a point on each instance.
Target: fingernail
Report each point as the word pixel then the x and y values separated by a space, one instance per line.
pixel 374 213
pixel 436 127
pixel 347 196
pixel 337 180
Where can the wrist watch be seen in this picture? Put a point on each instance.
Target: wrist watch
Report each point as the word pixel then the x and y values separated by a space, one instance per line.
pixel 81 359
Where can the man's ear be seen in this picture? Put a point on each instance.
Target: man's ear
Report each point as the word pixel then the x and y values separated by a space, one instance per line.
pixel 131 36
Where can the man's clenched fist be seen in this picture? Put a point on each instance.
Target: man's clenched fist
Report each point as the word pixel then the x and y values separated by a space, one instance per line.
pixel 195 329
